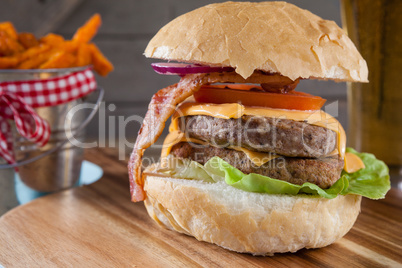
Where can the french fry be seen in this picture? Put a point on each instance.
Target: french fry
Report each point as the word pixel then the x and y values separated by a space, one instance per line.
pixel 34 51
pixel 4 51
pixel 84 55
pixel 101 64
pixel 8 46
pixel 27 40
pixel 61 59
pixel 32 63
pixel 85 33
pixel 52 39
pixel 8 62
pixel 25 51
pixel 39 59
pixel 13 46
pixel 8 27
pixel 69 46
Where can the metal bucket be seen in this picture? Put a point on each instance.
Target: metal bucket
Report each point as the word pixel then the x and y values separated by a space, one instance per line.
pixel 56 165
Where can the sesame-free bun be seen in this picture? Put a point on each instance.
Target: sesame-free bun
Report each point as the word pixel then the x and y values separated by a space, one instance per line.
pixel 260 224
pixel 271 36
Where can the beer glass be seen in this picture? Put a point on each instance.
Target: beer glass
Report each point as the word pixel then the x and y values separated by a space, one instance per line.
pixel 375 108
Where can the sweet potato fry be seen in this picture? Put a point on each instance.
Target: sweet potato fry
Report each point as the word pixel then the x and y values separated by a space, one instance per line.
pixel 4 51
pixel 69 46
pixel 61 59
pixel 32 63
pixel 27 40
pixel 13 46
pixel 25 51
pixel 37 60
pixel 8 27
pixel 101 64
pixel 52 39
pixel 8 62
pixel 85 33
pixel 9 46
pixel 84 56
pixel 34 51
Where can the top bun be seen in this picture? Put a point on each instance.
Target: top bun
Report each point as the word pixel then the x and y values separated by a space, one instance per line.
pixel 270 36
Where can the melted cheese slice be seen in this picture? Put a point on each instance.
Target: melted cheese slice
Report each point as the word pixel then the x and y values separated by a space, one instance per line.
pixel 177 136
pixel 353 163
pixel 236 110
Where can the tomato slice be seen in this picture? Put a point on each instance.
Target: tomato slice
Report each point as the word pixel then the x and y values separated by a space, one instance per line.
pixel 244 94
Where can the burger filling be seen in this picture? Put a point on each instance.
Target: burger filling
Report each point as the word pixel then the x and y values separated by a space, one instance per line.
pixel 267 139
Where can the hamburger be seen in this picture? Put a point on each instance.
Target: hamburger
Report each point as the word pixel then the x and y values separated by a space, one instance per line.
pixel 250 163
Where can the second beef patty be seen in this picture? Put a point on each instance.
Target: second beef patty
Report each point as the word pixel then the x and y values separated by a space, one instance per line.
pixel 322 171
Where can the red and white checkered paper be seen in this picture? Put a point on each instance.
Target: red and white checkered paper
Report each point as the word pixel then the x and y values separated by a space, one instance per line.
pixel 18 98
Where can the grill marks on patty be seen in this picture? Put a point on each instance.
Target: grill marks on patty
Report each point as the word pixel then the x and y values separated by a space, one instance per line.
pixel 263 134
pixel 321 171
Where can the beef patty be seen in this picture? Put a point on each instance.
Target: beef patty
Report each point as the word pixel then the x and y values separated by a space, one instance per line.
pixel 281 136
pixel 321 171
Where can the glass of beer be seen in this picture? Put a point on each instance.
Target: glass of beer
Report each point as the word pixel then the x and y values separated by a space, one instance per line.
pixel 375 108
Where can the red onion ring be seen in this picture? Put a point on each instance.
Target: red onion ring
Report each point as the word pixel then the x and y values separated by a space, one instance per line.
pixel 170 68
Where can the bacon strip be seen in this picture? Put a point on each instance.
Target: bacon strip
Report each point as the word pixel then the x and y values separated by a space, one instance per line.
pixel 163 105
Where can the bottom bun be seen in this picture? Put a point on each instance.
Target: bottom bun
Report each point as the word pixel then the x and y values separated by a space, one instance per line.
pixel 260 224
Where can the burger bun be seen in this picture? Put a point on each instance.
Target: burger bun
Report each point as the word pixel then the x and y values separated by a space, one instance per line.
pixel 256 223
pixel 275 37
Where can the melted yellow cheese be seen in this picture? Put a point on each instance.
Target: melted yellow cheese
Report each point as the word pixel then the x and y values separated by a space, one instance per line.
pixel 177 136
pixel 236 110
pixel 353 163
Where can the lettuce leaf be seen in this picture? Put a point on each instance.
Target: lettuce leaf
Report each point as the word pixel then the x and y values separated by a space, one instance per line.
pixel 372 181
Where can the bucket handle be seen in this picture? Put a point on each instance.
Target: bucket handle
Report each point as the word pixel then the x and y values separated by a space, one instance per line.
pixel 62 143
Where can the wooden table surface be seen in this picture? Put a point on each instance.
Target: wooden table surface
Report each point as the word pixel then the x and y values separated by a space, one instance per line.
pixel 98 226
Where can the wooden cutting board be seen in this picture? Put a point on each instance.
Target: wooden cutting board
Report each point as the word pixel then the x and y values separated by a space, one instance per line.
pixel 98 226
